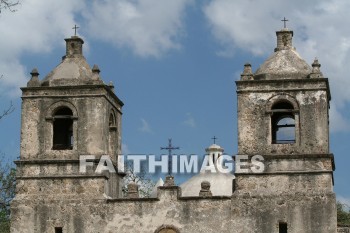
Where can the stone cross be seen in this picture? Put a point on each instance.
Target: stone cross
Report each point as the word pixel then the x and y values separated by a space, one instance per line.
pixel 170 148
pixel 285 22
pixel 75 29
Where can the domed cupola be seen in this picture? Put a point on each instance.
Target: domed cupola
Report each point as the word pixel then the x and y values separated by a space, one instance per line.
pixel 214 152
pixel 74 69
pixel 221 183
pixel 285 62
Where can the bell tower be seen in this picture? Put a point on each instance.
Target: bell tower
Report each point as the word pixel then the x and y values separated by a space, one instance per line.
pixel 283 115
pixel 70 113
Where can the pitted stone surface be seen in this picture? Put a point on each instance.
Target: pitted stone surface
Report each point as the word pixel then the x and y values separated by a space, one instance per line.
pixel 283 64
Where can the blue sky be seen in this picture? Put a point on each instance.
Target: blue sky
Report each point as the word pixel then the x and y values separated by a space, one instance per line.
pixel 174 63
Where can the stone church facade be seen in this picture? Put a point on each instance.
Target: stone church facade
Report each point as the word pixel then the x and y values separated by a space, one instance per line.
pixel 283 115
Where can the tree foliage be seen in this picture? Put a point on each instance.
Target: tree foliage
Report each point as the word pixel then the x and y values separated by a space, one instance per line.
pixel 7 193
pixel 343 214
pixel 142 179
pixel 7 110
pixel 8 5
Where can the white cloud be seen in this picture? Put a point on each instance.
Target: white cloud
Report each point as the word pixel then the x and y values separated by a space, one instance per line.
pixel 319 31
pixel 13 77
pixel 190 121
pixel 146 128
pixel 249 25
pixel 147 27
pixel 338 123
pixel 36 27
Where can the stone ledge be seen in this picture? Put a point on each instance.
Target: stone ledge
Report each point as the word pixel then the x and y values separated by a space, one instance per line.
pixel 285 173
pixel 153 199
pixel 47 161
pixel 79 87
pixel 299 156
pixel 278 81
pixel 284 90
pixel 62 177
pixel 286 194
pixel 294 156
pixel 205 198
pixel 145 199
pixel 298 80
pixel 169 187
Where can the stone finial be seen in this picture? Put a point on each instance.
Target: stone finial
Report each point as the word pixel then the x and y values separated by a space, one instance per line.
pixel 205 189
pixel 284 40
pixel 95 72
pixel 247 72
pixel 133 190
pixel 316 71
pixel 316 66
pixel 34 72
pixel 96 69
pixel 34 81
pixel 169 181
pixel 111 85
pixel 247 69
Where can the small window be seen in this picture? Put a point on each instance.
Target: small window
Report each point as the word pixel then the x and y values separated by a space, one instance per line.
pixel 113 137
pixel 233 185
pixel 283 123
pixel 283 227
pixel 63 129
pixel 58 230
pixel 285 130
pixel 111 120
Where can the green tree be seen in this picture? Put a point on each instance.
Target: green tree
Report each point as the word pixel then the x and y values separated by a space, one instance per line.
pixel 7 193
pixel 343 214
pixel 142 179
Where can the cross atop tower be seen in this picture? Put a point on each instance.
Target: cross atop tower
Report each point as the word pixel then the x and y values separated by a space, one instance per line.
pixel 75 29
pixel 170 148
pixel 214 138
pixel 285 22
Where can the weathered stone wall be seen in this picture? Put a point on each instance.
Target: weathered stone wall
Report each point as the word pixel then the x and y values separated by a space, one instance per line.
pixel 237 214
pixel 46 176
pixel 283 173
pixel 83 187
pixel 274 184
pixel 254 122
pixel 91 108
